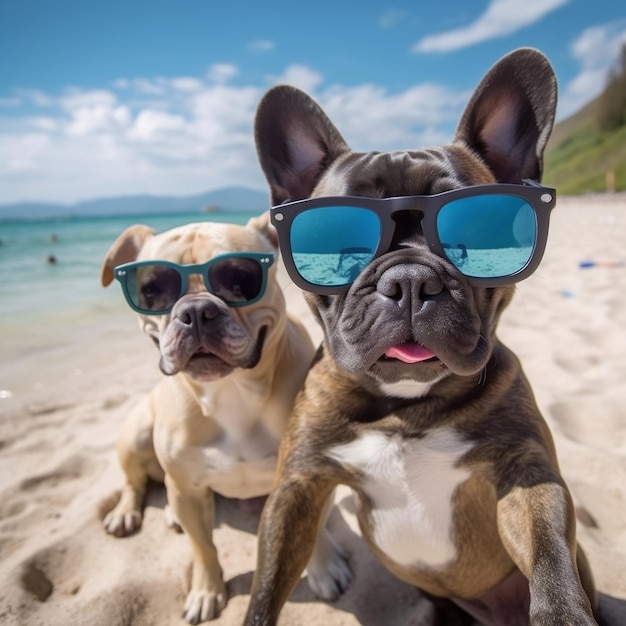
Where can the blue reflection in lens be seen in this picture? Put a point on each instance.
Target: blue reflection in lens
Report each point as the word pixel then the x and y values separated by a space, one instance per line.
pixel 488 236
pixel 331 245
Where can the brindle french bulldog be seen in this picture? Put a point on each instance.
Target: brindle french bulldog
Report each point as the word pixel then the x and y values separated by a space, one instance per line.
pixel 412 400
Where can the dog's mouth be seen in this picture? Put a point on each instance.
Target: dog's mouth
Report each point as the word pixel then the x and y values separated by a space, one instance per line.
pixel 203 354
pixel 409 352
pixel 205 365
pixel 206 360
pixel 408 361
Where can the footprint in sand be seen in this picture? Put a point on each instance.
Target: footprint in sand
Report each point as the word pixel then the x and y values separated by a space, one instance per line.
pixel 70 469
pixel 36 582
pixel 585 350
pixel 41 496
pixel 12 509
pixel 579 363
pixel 580 420
pixel 598 507
pixel 46 572
pixel 113 402
pixel 37 409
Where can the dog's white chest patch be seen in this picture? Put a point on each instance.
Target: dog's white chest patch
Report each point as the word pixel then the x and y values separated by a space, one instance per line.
pixel 411 485
pixel 410 388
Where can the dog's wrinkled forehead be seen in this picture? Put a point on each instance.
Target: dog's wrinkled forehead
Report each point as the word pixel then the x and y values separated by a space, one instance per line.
pixel 402 173
pixel 197 243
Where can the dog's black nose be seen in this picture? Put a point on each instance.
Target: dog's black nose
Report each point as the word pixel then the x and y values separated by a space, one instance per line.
pixel 196 312
pixel 414 282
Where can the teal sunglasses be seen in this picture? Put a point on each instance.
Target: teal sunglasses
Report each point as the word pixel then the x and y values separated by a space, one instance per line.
pixel 153 287
pixel 493 234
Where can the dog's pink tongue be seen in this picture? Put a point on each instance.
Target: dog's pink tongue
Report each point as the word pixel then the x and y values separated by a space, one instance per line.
pixel 409 352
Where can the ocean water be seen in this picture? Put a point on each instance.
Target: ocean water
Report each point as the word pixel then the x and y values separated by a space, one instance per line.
pixel 37 297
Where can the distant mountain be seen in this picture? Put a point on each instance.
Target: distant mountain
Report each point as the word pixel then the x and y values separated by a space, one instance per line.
pixel 227 199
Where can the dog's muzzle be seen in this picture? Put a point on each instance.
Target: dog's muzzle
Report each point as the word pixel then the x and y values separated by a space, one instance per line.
pixel 409 315
pixel 204 339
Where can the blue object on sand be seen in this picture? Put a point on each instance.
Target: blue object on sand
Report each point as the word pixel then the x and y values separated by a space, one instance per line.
pixel 587 264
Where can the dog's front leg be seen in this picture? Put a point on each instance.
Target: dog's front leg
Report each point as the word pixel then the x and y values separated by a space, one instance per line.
pixel 292 517
pixel 195 513
pixel 327 571
pixel 537 526
pixel 135 450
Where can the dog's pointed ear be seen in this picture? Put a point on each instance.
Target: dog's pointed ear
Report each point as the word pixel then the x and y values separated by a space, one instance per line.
pixel 510 116
pixel 124 250
pixel 263 224
pixel 295 142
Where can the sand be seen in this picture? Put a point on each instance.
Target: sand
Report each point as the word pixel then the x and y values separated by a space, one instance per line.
pixel 59 472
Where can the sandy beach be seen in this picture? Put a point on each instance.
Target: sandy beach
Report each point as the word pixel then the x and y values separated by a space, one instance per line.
pixel 68 398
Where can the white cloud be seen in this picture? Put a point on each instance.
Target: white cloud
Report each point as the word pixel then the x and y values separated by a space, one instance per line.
pixel 221 110
pixel 501 18
pixel 34 96
pixel 75 99
pixel 97 119
pixel 145 86
pixel 596 50
pixel 261 45
pixel 187 84
pixel 20 153
pixel 121 83
pixel 46 124
pixel 195 136
pixel 222 72
pixel 10 102
pixel 370 118
pixel 185 135
pixel 299 76
pixel 390 18
pixel 150 125
pixel 90 112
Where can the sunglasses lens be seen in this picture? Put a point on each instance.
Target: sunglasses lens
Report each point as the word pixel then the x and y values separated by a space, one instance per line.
pixel 331 245
pixel 489 236
pixel 154 287
pixel 236 280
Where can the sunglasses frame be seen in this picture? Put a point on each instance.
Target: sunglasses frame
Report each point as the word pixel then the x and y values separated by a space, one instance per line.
pixel 264 259
pixel 541 199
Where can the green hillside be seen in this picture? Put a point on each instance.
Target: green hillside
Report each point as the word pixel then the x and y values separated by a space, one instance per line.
pixel 579 156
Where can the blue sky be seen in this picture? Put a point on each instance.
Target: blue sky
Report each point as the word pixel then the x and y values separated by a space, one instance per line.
pixel 134 96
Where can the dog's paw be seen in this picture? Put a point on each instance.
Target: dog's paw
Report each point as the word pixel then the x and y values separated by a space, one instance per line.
pixel 203 605
pixel 171 521
pixel 122 523
pixel 328 572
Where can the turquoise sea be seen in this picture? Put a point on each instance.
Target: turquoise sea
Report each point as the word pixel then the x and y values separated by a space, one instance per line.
pixel 36 296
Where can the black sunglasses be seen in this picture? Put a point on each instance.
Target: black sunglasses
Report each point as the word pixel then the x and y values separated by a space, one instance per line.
pixel 493 234
pixel 154 287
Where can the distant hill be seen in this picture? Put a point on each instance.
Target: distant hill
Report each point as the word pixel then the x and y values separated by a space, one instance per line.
pixel 579 154
pixel 227 199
